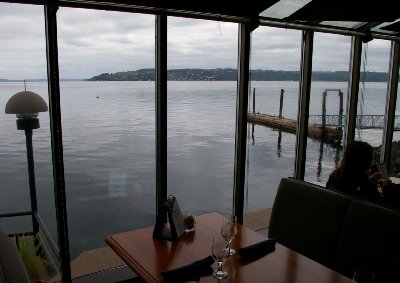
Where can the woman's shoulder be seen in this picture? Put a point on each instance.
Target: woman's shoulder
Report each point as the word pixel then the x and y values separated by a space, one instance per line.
pixel 332 179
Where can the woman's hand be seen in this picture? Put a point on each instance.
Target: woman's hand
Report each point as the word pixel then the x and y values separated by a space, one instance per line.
pixel 375 178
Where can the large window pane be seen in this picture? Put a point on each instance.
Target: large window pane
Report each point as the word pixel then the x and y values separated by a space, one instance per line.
pixel 372 94
pixel 271 151
pixel 328 95
pixel 201 115
pixel 370 107
pixel 108 124
pixel 23 57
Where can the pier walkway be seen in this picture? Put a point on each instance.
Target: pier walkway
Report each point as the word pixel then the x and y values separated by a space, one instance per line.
pixel 326 127
pixel 329 134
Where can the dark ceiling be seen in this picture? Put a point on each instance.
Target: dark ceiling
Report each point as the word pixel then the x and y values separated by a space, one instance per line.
pixel 378 16
pixel 240 8
pixel 348 10
pixel 316 10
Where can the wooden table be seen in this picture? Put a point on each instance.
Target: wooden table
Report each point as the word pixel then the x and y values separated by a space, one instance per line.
pixel 148 256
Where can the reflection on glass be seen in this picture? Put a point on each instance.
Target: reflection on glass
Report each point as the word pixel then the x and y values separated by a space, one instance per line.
pixel 279 144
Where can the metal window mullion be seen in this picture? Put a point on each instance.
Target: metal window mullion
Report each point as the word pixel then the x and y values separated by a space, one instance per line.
pixel 161 110
pixel 304 104
pixel 391 99
pixel 50 11
pixel 353 87
pixel 241 119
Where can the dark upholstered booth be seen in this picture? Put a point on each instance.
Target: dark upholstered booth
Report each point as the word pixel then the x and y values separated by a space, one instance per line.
pixel 315 217
pixel 370 237
pixel 336 230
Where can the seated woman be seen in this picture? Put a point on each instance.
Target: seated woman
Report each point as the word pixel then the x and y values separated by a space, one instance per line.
pixel 353 174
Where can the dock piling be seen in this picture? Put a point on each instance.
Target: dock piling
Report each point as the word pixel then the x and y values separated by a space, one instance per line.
pixel 254 100
pixel 281 103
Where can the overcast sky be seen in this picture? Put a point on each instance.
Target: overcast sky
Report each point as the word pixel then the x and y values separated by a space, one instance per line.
pixel 92 42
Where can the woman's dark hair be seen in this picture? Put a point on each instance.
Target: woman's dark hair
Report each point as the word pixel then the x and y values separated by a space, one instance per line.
pixel 352 174
pixel 357 156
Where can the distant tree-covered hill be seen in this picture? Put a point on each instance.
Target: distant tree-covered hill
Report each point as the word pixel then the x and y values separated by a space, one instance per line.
pixel 231 75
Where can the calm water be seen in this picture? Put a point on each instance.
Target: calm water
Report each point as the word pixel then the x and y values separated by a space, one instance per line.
pixel 109 152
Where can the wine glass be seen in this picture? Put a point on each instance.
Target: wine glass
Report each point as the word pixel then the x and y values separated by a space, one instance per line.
pixel 363 275
pixel 229 230
pixel 219 252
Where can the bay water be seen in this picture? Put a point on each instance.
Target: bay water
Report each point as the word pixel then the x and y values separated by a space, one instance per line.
pixel 109 151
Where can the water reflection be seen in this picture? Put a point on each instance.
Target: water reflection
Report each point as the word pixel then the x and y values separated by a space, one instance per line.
pixel 332 151
pixel 326 151
pixel 252 134
pixel 278 146
pixel 321 155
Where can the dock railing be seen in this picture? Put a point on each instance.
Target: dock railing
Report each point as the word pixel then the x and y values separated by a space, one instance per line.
pixel 362 121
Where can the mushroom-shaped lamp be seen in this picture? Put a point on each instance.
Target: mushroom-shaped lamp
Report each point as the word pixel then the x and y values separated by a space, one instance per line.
pixel 26 105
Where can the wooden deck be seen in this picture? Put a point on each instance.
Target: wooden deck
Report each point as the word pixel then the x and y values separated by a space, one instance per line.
pixel 331 135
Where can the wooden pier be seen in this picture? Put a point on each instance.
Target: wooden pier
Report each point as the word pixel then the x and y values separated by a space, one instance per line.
pixel 330 134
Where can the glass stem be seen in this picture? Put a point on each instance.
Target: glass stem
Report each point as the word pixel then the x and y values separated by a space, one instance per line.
pixel 219 266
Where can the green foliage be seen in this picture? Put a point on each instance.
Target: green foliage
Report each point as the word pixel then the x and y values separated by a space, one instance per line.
pixel 28 252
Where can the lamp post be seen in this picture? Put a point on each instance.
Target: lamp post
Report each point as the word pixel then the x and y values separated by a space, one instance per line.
pixel 26 105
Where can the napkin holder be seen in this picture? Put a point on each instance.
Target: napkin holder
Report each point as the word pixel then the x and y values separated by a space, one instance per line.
pixel 170 211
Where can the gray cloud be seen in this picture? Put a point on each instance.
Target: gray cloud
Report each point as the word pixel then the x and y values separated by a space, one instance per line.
pixel 92 42
pixel 202 44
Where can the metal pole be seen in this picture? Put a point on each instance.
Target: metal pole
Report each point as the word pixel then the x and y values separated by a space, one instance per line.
pixel 254 100
pixel 281 103
pixel 32 186
pixel 340 108
pixel 241 119
pixel 324 94
pixel 353 87
pixel 50 11
pixel 304 104
pixel 161 110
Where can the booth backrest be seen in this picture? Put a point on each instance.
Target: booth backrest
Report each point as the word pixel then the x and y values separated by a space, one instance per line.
pixel 370 238
pixel 308 219
pixel 336 230
pixel 12 268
